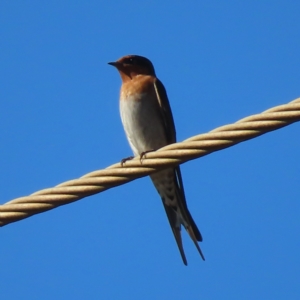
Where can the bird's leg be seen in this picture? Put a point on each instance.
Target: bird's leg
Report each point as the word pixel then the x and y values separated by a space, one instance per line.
pixel 143 154
pixel 123 161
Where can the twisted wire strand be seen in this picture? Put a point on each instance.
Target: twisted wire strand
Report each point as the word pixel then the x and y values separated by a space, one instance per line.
pixel 171 155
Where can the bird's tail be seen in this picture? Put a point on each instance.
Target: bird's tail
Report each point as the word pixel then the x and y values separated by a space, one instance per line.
pixel 169 185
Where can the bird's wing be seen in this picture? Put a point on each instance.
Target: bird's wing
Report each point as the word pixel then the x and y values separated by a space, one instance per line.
pixel 169 126
pixel 165 110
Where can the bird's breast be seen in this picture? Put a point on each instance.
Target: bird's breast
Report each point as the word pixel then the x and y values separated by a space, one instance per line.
pixel 142 122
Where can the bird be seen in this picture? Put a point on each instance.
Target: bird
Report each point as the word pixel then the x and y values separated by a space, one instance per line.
pixel 149 125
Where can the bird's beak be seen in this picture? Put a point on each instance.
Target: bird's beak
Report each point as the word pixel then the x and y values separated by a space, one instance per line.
pixel 114 63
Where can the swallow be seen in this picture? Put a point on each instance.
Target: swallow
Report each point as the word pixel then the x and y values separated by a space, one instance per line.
pixel 149 125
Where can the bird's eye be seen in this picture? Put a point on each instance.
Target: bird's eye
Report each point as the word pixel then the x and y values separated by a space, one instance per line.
pixel 131 61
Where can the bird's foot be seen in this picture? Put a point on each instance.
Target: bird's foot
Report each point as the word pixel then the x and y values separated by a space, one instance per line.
pixel 123 161
pixel 143 154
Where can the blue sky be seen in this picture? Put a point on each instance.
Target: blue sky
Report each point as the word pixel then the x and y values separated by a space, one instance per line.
pixel 219 61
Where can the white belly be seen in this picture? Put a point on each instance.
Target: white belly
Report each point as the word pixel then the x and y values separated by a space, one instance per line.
pixel 142 123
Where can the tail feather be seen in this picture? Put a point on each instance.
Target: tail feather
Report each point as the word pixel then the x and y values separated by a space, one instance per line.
pixel 192 235
pixel 169 185
pixel 175 224
pixel 171 214
pixel 196 231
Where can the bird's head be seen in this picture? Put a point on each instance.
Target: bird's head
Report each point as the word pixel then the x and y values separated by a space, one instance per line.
pixel 130 66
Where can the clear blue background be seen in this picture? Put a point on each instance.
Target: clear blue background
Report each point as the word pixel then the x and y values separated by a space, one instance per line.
pixel 220 61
